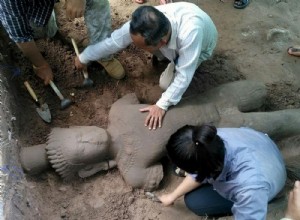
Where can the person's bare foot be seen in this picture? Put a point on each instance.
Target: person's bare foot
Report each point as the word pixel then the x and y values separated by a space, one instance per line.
pixel 139 1
pixel 294 51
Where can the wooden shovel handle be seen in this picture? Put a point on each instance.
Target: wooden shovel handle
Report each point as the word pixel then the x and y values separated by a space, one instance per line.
pixel 30 90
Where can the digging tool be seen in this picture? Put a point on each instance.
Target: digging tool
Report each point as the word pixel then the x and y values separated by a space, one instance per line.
pixel 87 82
pixel 152 197
pixel 65 103
pixel 43 109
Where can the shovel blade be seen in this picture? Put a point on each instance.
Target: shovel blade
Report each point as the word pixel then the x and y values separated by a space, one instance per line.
pixel 44 112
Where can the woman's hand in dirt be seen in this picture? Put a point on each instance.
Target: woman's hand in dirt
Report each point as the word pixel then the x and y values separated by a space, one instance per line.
pixel 79 65
pixel 155 116
pixel 75 8
pixel 293 209
pixel 44 72
pixel 167 199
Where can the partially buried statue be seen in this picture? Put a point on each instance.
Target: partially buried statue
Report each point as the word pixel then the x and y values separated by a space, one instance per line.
pixel 136 151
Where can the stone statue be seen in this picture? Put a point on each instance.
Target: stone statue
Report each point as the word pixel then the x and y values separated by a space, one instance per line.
pixel 137 151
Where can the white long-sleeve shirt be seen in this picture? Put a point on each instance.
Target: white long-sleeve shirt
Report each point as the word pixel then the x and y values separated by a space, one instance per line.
pixel 192 41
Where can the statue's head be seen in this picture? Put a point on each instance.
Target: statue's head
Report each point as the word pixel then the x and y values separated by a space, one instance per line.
pixel 71 149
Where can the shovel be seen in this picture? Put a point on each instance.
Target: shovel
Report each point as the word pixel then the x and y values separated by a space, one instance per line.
pixel 43 109
pixel 87 82
pixel 152 197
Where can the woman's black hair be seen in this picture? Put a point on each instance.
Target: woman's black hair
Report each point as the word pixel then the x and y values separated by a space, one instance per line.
pixel 198 150
pixel 150 23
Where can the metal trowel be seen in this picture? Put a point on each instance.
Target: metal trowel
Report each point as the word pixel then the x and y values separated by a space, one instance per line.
pixel 43 109
pixel 152 197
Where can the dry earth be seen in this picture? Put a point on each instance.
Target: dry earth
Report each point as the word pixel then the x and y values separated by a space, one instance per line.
pixel 252 45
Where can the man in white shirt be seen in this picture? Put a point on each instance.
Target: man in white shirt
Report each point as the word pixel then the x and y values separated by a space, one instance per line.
pixel 180 32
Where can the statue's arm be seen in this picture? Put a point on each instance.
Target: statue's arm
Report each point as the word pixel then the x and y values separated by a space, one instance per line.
pixel 127 100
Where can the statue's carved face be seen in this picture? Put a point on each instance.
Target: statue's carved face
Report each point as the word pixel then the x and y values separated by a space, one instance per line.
pixel 79 145
pixel 91 145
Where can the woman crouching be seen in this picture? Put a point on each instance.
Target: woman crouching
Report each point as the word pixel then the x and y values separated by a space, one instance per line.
pixel 231 171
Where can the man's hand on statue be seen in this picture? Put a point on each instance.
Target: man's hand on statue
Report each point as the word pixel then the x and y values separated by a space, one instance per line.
pixel 155 116
pixel 167 199
pixel 79 65
pixel 44 72
pixel 75 8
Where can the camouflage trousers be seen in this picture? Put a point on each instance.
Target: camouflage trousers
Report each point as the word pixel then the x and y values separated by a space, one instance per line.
pixel 97 20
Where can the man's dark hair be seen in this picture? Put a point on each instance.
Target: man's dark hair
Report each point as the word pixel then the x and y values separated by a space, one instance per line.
pixel 198 150
pixel 150 23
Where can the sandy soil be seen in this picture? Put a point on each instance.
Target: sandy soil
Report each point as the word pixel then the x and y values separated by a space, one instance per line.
pixel 252 45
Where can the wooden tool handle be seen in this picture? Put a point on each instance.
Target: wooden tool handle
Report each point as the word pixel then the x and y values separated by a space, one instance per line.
pixel 75 46
pixel 85 73
pixel 58 93
pixel 30 90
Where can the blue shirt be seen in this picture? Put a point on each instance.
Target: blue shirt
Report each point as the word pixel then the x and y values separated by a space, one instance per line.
pixel 16 16
pixel 253 173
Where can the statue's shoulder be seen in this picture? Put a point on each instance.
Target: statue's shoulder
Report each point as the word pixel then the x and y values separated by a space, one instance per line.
pixel 127 99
